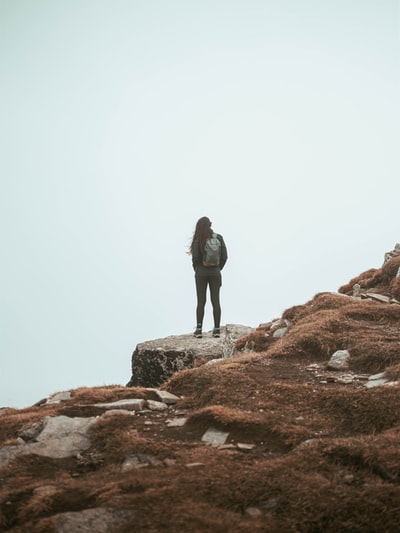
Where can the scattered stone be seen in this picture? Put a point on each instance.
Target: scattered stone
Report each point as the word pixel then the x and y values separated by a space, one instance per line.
pixel 356 290
pixel 59 397
pixel 381 375
pixel 214 436
pixel 156 406
pixel 117 412
pixel 140 460
pixel 376 380
pixel 243 447
pixel 61 437
pixel 278 333
pixel 308 442
pixel 227 447
pixel 312 367
pixel 194 465
pixel 180 412
pixel 176 422
pixel 100 520
pixel 378 297
pixel 166 397
pixel 253 512
pixel 169 462
pixel 392 253
pixel 7 453
pixel 270 504
pixel 30 433
pixel 45 489
pixel 345 380
pixel 375 383
pixel 339 360
pixel 130 405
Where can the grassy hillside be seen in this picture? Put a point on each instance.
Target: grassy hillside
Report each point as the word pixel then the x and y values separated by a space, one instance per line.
pixel 308 449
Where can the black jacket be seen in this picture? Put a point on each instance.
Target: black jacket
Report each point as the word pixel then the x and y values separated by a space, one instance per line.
pixel 197 256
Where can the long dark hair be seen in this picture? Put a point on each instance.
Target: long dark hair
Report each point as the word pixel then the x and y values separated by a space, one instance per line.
pixel 202 232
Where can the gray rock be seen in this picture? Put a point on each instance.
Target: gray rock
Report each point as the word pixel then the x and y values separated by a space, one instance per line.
pixel 166 397
pixel 45 489
pixel 140 460
pixel 156 406
pixel 176 422
pixel 253 512
pixel 278 333
pixel 215 436
pixel 99 520
pixel 117 412
pixel 134 404
pixel 345 380
pixel 378 297
pixel 59 397
pixel 373 377
pixel 244 446
pixel 133 462
pixel 392 253
pixel 154 361
pixel 7 453
pixel 356 290
pixel 339 360
pixel 375 383
pixel 376 380
pixel 62 437
pixel 29 434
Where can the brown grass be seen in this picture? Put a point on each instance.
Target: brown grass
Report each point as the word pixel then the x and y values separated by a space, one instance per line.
pixel 325 455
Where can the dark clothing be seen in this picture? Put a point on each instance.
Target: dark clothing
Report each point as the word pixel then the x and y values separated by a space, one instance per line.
pixel 208 276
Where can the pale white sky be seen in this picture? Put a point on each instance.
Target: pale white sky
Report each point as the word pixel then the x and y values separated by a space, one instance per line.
pixel 123 122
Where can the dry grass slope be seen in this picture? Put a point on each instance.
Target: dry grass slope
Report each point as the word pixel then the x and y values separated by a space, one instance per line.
pixel 325 455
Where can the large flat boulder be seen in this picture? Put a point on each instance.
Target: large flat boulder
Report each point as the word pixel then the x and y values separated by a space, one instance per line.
pixel 154 361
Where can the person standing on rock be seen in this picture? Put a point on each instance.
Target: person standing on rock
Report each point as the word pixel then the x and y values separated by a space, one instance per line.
pixel 209 256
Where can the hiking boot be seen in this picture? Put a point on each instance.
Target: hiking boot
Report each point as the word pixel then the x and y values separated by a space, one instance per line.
pixel 198 334
pixel 216 332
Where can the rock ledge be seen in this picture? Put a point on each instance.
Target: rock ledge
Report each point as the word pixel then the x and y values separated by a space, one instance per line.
pixel 154 361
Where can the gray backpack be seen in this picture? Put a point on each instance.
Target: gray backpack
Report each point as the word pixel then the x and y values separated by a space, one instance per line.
pixel 212 251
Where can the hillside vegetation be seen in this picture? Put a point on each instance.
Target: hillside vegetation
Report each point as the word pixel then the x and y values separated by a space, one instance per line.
pixel 307 449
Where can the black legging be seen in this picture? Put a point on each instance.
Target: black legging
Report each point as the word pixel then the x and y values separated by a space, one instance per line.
pixel 214 280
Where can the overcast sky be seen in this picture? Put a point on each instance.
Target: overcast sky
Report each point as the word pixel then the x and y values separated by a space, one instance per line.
pixel 123 122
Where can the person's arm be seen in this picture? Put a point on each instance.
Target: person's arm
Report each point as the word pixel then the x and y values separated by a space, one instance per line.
pixel 224 252
pixel 196 255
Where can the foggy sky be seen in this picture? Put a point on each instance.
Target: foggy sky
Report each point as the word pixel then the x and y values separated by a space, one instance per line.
pixel 123 122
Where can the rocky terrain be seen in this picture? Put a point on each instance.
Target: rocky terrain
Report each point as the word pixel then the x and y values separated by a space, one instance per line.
pixel 292 426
